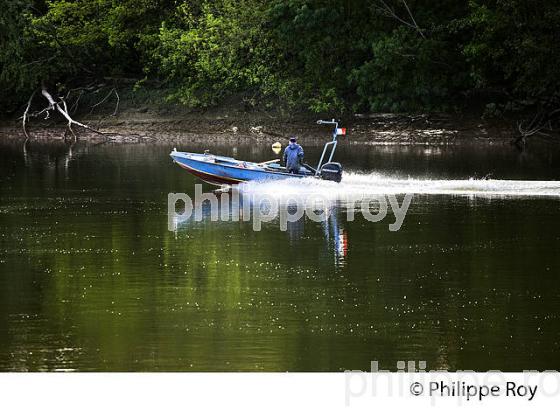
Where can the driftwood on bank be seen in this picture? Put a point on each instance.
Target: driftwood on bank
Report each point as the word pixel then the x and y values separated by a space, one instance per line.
pixel 26 113
pixel 60 105
pixel 541 121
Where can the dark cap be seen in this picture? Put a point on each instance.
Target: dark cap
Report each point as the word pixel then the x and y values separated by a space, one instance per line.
pixel 293 138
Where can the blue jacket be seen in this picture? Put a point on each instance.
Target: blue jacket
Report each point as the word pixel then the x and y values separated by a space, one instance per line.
pixel 293 157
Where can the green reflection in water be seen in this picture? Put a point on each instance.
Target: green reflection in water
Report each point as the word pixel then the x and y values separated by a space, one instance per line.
pixel 91 279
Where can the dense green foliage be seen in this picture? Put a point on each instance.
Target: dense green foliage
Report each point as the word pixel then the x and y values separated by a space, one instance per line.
pixel 319 55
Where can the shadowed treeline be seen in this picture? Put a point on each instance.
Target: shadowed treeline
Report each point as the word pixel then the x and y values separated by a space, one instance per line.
pixel 318 55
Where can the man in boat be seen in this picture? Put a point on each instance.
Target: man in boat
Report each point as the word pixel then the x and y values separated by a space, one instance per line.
pixel 293 156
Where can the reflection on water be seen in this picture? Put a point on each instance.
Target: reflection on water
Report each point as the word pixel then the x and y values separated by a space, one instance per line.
pixel 92 279
pixel 337 238
pixel 233 210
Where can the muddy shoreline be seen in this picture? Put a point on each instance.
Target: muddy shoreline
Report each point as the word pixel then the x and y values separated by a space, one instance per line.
pixel 383 129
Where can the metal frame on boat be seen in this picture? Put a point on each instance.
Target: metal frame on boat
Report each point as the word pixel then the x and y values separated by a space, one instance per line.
pixel 220 170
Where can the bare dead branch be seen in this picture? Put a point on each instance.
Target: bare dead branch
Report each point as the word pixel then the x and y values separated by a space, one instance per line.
pixel 389 11
pixel 64 112
pixel 413 20
pixel 25 113
pixel 102 100
pixel 60 106
pixel 535 126
pixel 117 105
pixel 39 61
pixel 49 98
pixel 74 106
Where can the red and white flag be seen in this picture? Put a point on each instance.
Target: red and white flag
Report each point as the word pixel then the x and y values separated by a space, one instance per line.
pixel 341 131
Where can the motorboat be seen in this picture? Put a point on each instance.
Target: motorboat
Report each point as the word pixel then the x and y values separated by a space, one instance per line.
pixel 221 170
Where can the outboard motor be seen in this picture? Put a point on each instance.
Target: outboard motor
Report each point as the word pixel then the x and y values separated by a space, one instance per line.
pixel 331 171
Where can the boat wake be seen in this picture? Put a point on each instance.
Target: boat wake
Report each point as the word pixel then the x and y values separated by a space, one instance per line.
pixel 266 198
pixel 372 184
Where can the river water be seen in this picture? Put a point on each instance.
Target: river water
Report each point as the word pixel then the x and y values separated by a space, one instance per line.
pixel 91 278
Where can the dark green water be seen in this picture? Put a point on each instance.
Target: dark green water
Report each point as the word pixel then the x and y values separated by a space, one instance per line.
pixel 91 278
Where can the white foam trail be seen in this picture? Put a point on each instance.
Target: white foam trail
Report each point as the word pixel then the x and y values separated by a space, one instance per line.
pixel 363 185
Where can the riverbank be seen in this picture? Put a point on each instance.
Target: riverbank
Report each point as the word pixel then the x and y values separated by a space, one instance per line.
pixel 140 124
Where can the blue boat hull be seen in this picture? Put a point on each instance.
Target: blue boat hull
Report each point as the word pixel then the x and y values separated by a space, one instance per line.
pixel 227 171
